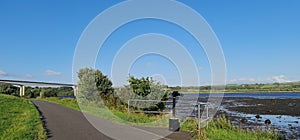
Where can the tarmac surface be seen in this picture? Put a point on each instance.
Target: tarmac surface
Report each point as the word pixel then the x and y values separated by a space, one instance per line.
pixel 63 123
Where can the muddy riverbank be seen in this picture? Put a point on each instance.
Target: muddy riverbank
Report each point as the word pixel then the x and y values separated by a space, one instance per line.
pixel 289 107
pixel 283 114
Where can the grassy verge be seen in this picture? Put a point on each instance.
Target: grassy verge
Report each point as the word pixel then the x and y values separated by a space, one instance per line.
pixel 19 119
pixel 222 129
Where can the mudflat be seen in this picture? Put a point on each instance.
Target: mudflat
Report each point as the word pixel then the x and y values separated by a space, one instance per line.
pixel 282 114
pixel 289 107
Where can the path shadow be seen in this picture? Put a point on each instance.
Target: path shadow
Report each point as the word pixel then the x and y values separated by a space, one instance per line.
pixel 44 122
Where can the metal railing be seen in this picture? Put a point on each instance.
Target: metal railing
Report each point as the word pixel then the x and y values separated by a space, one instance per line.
pixel 143 111
pixel 200 120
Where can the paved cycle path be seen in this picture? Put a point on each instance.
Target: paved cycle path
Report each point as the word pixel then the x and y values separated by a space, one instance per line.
pixel 63 123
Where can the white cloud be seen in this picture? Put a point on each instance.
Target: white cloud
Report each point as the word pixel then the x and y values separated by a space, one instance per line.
pixel 52 73
pixel 280 79
pixel 273 79
pixel 242 81
pixel 2 73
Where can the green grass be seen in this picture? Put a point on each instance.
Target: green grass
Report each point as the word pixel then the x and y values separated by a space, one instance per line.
pixel 222 129
pixel 19 119
pixel 71 103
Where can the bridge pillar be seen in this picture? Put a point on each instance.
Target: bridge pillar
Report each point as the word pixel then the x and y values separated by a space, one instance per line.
pixel 22 90
pixel 75 88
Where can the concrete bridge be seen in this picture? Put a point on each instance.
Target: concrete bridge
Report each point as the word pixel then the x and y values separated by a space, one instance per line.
pixel 22 85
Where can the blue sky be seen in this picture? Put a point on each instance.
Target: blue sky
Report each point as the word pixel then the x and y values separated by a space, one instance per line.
pixel 260 40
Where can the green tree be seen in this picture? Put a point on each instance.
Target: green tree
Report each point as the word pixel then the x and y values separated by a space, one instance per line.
pixel 48 92
pixel 140 87
pixel 147 89
pixel 104 85
pixel 35 92
pixel 87 89
pixel 94 86
pixel 64 91
pixel 8 89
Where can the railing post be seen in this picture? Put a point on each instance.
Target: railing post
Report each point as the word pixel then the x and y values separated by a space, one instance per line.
pixel 207 115
pixel 199 117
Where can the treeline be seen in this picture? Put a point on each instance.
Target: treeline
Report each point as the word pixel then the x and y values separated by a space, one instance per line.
pixel 9 89
pixel 33 92
pixel 273 87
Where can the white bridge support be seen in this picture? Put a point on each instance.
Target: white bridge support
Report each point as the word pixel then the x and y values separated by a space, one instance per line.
pixel 75 88
pixel 22 90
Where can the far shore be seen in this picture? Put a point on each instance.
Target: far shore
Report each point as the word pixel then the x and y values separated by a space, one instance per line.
pixel 208 92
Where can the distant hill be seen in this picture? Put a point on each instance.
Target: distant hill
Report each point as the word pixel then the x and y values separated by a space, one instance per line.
pixel 272 87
